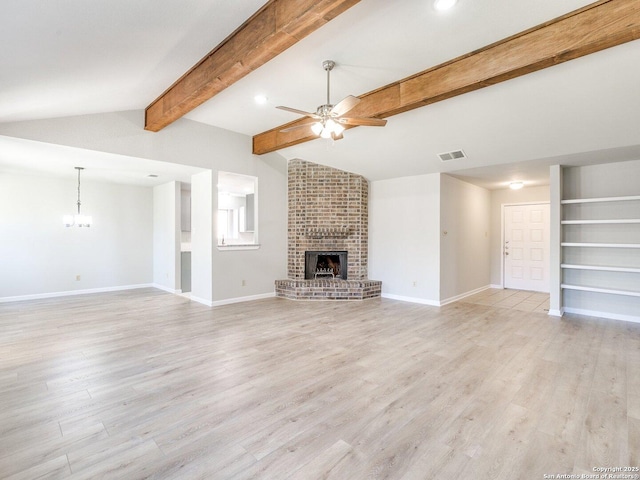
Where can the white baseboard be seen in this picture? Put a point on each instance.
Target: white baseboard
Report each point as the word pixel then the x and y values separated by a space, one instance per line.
pixel 556 313
pixel 422 301
pixel 608 315
pixel 166 289
pixel 499 287
pixel 250 298
pixel 208 303
pixel 39 296
pixel 463 295
pixel 435 303
pixel 229 301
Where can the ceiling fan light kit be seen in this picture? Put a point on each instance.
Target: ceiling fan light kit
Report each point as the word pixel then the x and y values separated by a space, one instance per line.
pixel 329 118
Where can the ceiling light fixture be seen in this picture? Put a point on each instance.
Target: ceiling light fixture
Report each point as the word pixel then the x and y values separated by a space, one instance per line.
pixel 330 118
pixel 327 128
pixel 77 220
pixel 442 5
pixel 516 185
pixel 260 99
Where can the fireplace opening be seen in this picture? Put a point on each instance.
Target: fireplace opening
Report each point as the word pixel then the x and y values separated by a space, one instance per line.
pixel 325 265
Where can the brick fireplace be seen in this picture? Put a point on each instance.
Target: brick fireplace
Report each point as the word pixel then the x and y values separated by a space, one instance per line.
pixel 328 213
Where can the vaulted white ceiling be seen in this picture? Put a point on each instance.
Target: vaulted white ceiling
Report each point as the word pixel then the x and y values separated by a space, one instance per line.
pixel 77 57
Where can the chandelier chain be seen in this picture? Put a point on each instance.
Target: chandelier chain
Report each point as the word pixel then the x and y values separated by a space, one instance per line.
pixel 79 169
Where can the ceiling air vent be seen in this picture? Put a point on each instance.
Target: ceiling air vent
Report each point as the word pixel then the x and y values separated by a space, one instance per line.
pixel 454 155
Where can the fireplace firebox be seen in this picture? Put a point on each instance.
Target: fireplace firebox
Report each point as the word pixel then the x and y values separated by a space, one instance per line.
pixel 332 264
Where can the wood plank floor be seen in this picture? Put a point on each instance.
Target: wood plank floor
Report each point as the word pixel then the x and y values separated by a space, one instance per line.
pixel 143 384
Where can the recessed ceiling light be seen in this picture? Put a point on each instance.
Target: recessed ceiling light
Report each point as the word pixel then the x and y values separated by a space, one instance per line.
pixel 260 99
pixel 516 185
pixel 444 4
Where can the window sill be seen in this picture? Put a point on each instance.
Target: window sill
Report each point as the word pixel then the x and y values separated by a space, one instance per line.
pixel 247 246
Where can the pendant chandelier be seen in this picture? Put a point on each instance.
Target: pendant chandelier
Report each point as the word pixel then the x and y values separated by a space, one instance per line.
pixel 77 220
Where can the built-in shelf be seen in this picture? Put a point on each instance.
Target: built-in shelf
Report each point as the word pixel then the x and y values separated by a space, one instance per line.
pixel 601 245
pixel 601 199
pixel 601 222
pixel 612 291
pixel 600 268
pixel 600 240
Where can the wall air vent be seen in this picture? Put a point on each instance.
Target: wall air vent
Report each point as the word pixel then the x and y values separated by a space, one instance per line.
pixel 454 155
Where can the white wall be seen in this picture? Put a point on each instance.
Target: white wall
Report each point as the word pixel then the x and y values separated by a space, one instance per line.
pixel 464 249
pixel 39 256
pixel 202 187
pixel 498 199
pixel 404 240
pixel 603 180
pixel 555 238
pixel 166 236
pixel 251 273
pixel 185 210
pixel 192 143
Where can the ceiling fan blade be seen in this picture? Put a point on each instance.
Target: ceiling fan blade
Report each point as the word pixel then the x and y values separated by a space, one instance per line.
pixel 337 136
pixel 367 122
pixel 344 105
pixel 295 127
pixel 299 112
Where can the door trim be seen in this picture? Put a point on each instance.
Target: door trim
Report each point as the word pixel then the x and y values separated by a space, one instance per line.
pixel 510 204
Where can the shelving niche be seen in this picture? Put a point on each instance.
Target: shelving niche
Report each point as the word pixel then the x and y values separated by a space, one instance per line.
pixel 600 249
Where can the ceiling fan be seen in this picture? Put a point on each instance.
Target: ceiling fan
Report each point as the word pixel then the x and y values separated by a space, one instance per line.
pixel 329 119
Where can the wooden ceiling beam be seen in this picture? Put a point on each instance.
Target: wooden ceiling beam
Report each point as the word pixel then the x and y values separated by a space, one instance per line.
pixel 278 25
pixel 598 26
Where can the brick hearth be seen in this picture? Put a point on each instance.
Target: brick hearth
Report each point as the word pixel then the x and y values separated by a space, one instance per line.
pixel 328 211
pixel 328 289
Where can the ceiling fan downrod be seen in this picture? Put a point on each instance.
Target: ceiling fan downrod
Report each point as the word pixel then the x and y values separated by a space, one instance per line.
pixel 328 66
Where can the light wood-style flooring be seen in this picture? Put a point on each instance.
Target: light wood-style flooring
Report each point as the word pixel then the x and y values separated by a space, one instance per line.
pixel 143 384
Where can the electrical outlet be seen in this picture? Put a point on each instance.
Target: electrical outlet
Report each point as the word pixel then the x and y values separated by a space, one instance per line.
pixel 77 277
pixel 415 283
pixel 244 283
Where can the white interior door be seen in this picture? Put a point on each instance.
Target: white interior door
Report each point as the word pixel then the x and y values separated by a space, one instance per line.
pixel 526 247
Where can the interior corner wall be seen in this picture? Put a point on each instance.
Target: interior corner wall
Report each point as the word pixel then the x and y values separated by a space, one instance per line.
pixel 166 236
pixel 41 257
pixel 404 240
pixel 202 236
pixel 498 199
pixel 464 238
pixel 556 308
